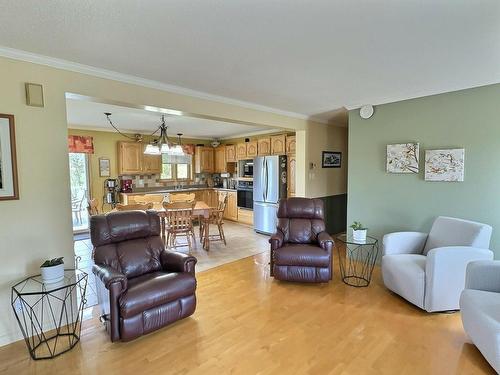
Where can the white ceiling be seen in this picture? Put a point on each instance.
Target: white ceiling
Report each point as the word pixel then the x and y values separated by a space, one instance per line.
pixel 305 57
pixel 90 115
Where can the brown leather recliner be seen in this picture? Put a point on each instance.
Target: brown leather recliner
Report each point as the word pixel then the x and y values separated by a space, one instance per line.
pixel 301 250
pixel 141 286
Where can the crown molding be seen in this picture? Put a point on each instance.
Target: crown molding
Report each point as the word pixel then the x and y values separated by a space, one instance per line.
pixel 252 134
pixel 34 58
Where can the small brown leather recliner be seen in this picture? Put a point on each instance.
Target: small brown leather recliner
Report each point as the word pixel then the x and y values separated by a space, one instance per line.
pixel 301 250
pixel 141 286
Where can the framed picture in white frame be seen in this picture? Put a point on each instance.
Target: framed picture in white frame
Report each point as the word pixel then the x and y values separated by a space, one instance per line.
pixel 104 167
pixel 9 189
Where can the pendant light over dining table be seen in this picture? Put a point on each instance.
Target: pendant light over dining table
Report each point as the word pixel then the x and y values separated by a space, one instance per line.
pixel 158 146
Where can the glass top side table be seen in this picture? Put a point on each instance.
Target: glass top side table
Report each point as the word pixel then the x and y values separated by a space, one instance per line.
pixel 357 260
pixel 50 315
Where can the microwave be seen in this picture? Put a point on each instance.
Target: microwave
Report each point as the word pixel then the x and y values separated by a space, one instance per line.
pixel 245 168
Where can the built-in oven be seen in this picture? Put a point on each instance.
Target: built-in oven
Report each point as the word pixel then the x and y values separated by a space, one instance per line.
pixel 245 194
pixel 245 168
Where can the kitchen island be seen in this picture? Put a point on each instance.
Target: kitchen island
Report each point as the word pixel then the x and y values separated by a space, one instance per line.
pixel 205 194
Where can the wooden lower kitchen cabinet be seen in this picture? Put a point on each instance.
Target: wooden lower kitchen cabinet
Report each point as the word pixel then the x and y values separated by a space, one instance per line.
pixel 245 216
pixel 231 212
pixel 156 199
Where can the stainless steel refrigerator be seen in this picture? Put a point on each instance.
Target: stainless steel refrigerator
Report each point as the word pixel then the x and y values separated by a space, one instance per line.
pixel 269 186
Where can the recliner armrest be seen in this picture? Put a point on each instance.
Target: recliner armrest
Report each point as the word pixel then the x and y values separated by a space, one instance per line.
pixel 109 275
pixel 177 262
pixel 276 240
pixel 325 241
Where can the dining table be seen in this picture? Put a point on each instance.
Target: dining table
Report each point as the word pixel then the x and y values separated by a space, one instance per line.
pixel 200 209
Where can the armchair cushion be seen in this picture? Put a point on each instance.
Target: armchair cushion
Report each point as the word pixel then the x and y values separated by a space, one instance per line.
pixel 403 243
pixel 301 255
pixel 155 289
pixel 404 274
pixel 109 275
pixel 449 231
pixel 483 275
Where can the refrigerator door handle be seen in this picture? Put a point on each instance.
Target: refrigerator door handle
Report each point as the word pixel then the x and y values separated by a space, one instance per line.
pixel 267 179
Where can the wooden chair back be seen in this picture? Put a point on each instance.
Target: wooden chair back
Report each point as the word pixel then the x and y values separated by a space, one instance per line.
pixel 156 199
pixel 217 214
pixel 182 197
pixel 92 207
pixel 137 206
pixel 179 216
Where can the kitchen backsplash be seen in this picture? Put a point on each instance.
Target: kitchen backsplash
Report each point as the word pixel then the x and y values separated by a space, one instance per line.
pixel 149 181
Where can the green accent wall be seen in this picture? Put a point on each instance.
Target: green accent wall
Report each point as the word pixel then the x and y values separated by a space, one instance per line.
pixel 386 202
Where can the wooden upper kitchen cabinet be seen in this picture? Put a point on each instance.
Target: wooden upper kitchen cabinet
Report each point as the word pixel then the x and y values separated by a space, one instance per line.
pixel 230 153
pixel 241 151
pixel 278 144
pixel 151 164
pixel 264 146
pixel 220 159
pixel 204 159
pixel 252 148
pixel 290 144
pixel 130 158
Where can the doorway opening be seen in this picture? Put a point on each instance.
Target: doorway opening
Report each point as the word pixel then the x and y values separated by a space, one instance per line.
pixel 79 182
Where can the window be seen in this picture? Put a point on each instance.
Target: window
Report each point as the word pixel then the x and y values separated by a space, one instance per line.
pixel 176 167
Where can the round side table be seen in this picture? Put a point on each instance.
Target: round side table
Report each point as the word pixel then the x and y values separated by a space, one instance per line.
pixel 50 315
pixel 358 260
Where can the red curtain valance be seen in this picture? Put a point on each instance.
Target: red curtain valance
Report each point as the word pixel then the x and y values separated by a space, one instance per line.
pixel 188 149
pixel 81 144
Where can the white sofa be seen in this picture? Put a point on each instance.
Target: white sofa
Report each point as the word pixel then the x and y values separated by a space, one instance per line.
pixel 480 308
pixel 428 270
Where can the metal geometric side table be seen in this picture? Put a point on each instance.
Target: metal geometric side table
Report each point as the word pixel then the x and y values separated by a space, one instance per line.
pixel 50 315
pixel 358 260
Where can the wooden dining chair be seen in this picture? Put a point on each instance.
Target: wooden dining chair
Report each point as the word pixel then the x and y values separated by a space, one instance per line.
pixel 216 216
pixel 179 222
pixel 156 199
pixel 136 206
pixel 181 197
pixel 92 207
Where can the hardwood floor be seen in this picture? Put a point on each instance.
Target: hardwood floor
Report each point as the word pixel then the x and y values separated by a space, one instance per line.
pixel 248 323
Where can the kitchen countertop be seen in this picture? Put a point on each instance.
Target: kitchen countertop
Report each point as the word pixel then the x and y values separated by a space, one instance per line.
pixel 161 191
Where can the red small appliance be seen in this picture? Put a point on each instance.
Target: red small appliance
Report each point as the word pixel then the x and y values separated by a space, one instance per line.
pixel 126 186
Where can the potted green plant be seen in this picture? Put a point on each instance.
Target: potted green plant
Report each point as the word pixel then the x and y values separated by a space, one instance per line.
pixel 358 232
pixel 52 270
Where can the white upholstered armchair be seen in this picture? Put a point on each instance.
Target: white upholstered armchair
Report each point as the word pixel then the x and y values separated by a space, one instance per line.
pixel 428 270
pixel 480 308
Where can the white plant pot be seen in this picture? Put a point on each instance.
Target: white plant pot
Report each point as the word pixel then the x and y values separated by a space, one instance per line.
pixel 52 274
pixel 359 235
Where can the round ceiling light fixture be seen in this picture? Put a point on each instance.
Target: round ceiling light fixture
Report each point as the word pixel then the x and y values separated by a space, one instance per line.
pixel 366 111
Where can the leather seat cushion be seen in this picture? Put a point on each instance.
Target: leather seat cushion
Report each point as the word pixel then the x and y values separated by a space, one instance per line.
pixel 301 255
pixel 155 289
